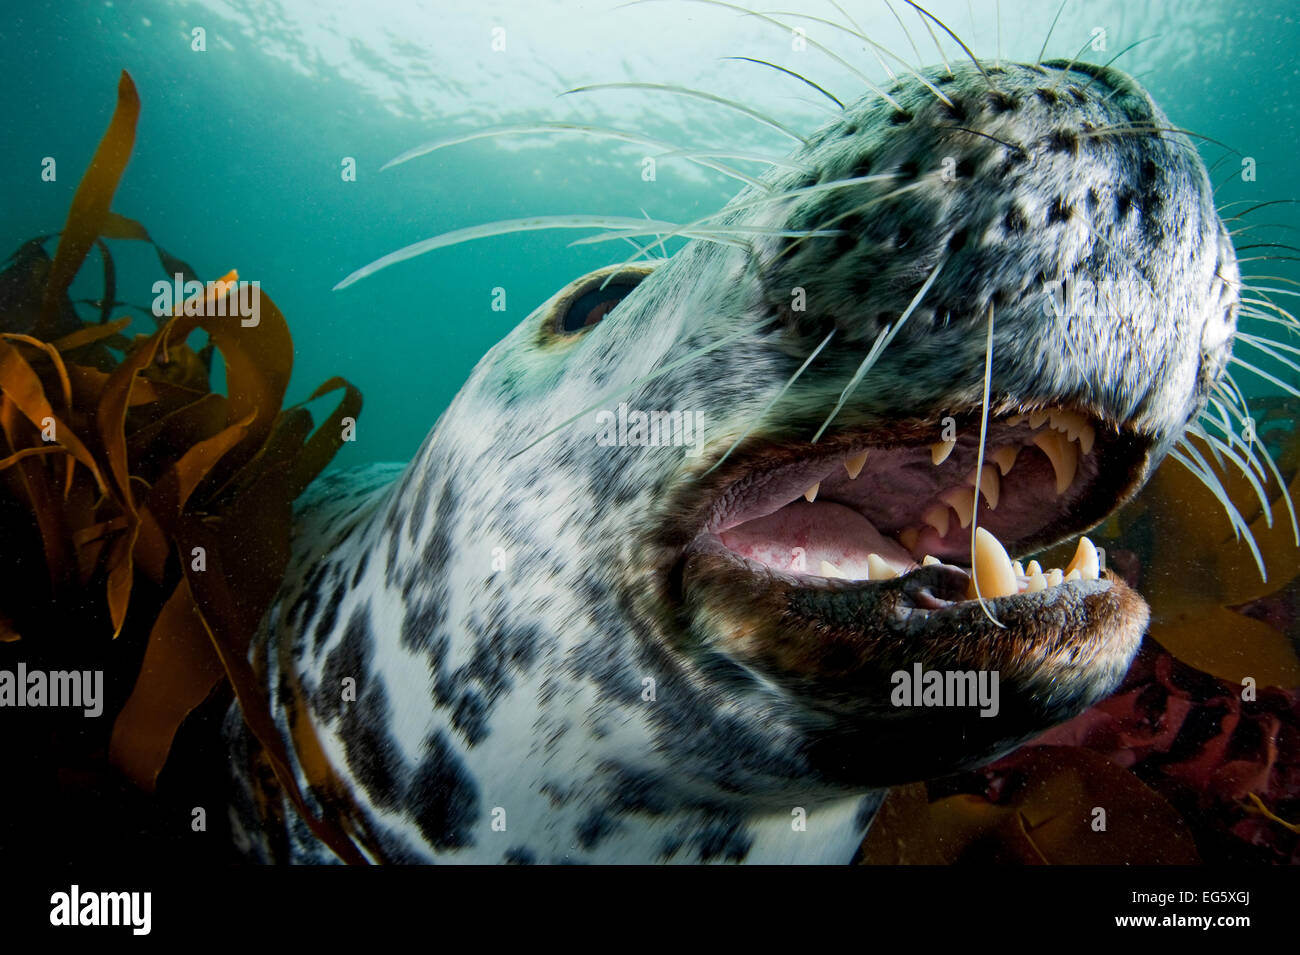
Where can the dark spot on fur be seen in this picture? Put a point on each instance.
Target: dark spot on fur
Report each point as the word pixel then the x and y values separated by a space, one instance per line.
pixel 470 717
pixel 1063 141
pixel 1047 96
pixel 593 829
pixel 1059 211
pixel 349 659
pixel 1123 203
pixel 518 855
pixel 903 238
pixel 328 617
pixel 725 840
pixel 360 570
pixel 965 168
pixel 1002 103
pixel 863 168
pixel 958 241
pixel 956 111
pixel 371 752
pixel 1091 200
pixel 909 170
pixel 1014 221
pixel 900 117
pixel 443 797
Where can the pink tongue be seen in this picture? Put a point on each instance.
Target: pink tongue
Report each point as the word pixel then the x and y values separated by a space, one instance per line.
pixel 800 536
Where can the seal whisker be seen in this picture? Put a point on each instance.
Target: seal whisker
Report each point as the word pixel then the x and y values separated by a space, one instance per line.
pixel 908 33
pixel 876 47
pixel 694 94
pixel 882 342
pixel 798 76
pixel 979 470
pixel 1290 389
pixel 935 40
pixel 1039 60
pixel 1225 448
pixel 700 158
pixel 1093 78
pixel 811 42
pixel 1123 128
pixel 1065 71
pixel 1258 205
pixel 988 79
pixel 501 227
pixel 861 32
pixel 774 399
pixel 1186 454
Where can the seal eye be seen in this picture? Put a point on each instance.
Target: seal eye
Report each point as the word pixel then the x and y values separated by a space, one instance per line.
pixel 590 307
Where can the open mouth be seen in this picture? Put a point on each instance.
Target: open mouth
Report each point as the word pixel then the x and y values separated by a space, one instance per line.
pixel 827 569
pixel 868 509
pixel 855 553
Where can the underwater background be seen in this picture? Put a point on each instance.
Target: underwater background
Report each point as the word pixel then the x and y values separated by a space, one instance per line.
pixel 239 162
pixel 239 151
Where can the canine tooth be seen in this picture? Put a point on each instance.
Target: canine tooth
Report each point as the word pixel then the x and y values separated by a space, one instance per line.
pixel 878 568
pixel 1086 438
pixel 1054 577
pixel 1005 457
pixel 853 464
pixel 928 561
pixel 962 501
pixel 1037 418
pixel 1018 567
pixel 1074 575
pixel 830 570
pixel 990 484
pixel 992 568
pixel 908 537
pixel 938 517
pixel 1037 582
pixel 940 450
pixel 1034 568
pixel 1063 454
pixel 810 495
pixel 1086 560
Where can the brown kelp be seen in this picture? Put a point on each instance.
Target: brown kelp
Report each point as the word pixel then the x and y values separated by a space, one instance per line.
pixel 138 506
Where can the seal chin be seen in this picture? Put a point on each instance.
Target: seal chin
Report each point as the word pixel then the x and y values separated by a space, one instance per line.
pixel 825 573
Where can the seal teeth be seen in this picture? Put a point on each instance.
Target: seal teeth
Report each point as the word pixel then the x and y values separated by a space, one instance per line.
pixel 938 517
pixel 1034 568
pixel 1037 582
pixel 988 482
pixel 940 450
pixel 830 570
pixel 810 495
pixel 909 536
pixel 928 561
pixel 1087 436
pixel 1063 454
pixel 1055 577
pixel 1005 457
pixel 1038 418
pixel 991 568
pixel 962 502
pixel 854 463
pixel 1087 562
pixel 879 569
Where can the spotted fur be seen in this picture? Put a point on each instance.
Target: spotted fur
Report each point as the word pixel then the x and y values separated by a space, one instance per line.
pixel 504 615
